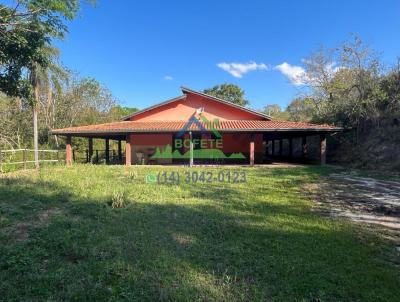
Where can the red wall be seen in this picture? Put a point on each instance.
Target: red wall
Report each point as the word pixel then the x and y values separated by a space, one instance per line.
pixel 144 139
pixel 232 143
pixel 240 142
pixel 184 109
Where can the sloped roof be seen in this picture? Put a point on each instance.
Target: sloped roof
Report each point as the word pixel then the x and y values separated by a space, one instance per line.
pixel 174 126
pixel 186 90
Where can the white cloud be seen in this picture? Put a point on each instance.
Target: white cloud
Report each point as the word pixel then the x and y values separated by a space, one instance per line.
pixel 168 78
pixel 332 68
pixel 295 74
pixel 239 69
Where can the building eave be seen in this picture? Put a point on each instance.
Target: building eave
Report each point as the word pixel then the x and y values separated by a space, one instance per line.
pixel 129 131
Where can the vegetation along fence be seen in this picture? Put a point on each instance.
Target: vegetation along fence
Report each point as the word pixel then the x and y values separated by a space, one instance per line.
pixel 16 159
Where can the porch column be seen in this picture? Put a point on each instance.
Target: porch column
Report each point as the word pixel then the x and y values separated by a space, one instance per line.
pixel 322 144
pixel 90 153
pixel 290 147
pixel 119 150
pixel 252 150
pixel 68 151
pixel 128 151
pixel 107 141
pixel 304 145
pixel 280 147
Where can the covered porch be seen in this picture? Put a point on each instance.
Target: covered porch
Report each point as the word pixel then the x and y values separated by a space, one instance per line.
pixel 265 147
pixel 245 142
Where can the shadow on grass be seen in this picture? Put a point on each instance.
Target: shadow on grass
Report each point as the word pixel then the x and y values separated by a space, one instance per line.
pixel 84 250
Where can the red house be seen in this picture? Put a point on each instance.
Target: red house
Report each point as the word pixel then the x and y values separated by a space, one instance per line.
pixel 199 128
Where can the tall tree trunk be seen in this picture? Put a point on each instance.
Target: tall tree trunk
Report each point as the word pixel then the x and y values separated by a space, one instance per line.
pixel 35 127
pixel 35 136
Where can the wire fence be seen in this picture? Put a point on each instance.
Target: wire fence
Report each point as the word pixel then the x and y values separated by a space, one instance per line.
pixel 17 159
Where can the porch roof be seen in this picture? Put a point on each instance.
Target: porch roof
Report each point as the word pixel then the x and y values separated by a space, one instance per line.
pixel 124 127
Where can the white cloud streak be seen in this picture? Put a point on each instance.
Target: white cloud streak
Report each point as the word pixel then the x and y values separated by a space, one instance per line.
pixel 298 76
pixel 168 78
pixel 239 69
pixel 295 74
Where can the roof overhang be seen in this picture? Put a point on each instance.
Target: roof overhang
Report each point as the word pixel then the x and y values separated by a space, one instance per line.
pixel 121 132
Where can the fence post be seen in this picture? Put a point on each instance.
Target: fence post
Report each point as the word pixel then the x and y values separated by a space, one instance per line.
pixel 24 158
pixel 73 155
pixel 97 156
pixel 87 155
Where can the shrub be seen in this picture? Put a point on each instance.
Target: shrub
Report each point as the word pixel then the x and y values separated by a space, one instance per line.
pixel 119 200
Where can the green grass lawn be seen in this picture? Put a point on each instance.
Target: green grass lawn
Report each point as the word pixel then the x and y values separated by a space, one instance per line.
pixel 63 238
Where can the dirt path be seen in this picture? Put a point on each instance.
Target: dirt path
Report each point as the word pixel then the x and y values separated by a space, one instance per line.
pixel 361 199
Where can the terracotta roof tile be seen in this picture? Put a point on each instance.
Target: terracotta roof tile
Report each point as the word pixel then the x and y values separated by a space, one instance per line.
pixel 173 126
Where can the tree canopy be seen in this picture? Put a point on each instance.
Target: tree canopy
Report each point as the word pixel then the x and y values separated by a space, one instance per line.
pixel 228 92
pixel 26 33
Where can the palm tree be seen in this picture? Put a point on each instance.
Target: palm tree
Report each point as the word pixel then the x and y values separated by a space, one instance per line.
pixel 44 78
pixel 34 80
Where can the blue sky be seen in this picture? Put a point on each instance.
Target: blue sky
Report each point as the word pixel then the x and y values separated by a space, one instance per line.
pixel 143 51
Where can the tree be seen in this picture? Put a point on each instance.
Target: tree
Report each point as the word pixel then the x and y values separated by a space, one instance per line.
pixel 228 92
pixel 272 109
pixel 344 84
pixel 275 111
pixel 84 101
pixel 64 99
pixel 301 109
pixel 26 31
pixel 121 111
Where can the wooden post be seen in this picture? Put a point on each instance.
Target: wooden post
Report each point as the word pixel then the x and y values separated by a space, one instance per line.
pixel 128 151
pixel 24 158
pixel 107 151
pixel 87 155
pixel 252 150
pixel 73 155
pixel 322 142
pixel 97 156
pixel 90 142
pixel 120 151
pixel 280 148
pixel 68 149
pixel 290 147
pixel 304 146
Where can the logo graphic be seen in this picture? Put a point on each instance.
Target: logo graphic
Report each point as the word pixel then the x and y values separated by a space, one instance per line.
pixel 151 178
pixel 196 147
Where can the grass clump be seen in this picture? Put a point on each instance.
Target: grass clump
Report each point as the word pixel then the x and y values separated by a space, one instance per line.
pixel 118 200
